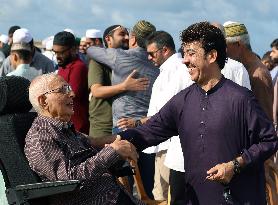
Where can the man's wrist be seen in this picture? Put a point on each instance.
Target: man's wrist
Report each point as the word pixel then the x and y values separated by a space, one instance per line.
pixel 138 123
pixel 236 167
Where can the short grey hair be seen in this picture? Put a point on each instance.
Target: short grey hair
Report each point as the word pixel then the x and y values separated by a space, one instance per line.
pixel 245 39
pixel 39 86
pixel 237 32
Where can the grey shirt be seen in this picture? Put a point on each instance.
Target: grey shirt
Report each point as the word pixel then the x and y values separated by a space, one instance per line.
pixel 39 61
pixel 123 62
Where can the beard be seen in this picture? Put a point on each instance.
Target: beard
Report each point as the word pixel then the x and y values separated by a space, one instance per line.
pixel 275 61
pixel 64 62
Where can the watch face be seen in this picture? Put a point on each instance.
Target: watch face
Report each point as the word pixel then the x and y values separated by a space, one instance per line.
pixel 236 167
pixel 138 122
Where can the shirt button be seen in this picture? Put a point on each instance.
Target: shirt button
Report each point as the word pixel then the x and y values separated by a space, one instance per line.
pixel 204 108
pixel 202 136
pixel 202 122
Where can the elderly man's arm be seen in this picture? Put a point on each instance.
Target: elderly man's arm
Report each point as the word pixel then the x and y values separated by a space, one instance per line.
pixel 46 157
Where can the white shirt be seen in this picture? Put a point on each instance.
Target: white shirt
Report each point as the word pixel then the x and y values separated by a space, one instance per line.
pixel 51 55
pixel 237 73
pixel 173 78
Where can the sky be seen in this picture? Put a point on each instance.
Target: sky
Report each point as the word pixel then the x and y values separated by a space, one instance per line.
pixel 45 18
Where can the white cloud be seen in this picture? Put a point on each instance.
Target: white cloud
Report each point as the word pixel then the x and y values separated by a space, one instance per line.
pixel 44 18
pixel 97 10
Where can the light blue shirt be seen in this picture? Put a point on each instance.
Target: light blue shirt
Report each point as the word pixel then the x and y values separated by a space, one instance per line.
pixel 39 61
pixel 24 70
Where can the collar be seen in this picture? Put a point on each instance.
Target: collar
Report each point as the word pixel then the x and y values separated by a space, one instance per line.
pixel 213 89
pixel 170 61
pixel 23 66
pixel 60 125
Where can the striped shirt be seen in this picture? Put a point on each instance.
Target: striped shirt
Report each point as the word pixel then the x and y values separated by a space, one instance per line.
pixel 55 151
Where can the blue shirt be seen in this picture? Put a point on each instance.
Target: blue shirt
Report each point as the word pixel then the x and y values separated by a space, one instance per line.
pixel 214 127
pixel 24 70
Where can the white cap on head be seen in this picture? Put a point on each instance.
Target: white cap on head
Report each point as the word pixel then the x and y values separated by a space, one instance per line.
pixel 229 22
pixel 83 39
pixel 49 43
pixel 4 38
pixel 22 35
pixel 44 41
pixel 93 33
pixel 70 31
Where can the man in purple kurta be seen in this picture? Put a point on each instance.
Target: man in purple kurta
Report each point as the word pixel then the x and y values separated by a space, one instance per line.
pixel 224 133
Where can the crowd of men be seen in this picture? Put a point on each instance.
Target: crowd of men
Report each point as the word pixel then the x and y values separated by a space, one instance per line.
pixel 199 122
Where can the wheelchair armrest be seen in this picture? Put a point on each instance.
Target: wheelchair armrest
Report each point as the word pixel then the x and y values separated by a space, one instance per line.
pixel 22 193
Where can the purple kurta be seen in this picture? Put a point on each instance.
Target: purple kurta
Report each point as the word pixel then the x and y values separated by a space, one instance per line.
pixel 214 127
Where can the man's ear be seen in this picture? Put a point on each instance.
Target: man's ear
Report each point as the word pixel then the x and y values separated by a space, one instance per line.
pixel 133 40
pixel 107 39
pixel 42 102
pixel 15 57
pixel 212 56
pixel 165 51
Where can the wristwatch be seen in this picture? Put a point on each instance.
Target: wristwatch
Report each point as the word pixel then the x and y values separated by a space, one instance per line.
pixel 237 167
pixel 137 123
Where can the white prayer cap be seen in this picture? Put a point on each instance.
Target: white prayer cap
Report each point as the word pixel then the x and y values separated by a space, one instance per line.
pixel 49 43
pixel 83 39
pixel 93 33
pixel 4 38
pixel 70 31
pixel 229 22
pixel 21 46
pixel 22 35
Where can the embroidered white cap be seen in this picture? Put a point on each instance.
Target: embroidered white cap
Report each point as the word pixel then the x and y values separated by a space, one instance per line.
pixel 93 33
pixel 4 38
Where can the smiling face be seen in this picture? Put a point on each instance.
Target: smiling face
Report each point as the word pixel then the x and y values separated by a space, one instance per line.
pixel 83 47
pixel 57 102
pixel 118 38
pixel 196 61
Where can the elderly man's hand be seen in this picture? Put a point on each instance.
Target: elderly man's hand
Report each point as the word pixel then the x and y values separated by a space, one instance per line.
pixel 222 173
pixel 125 149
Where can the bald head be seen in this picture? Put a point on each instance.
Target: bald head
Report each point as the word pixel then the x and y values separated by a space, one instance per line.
pixel 220 26
pixel 41 85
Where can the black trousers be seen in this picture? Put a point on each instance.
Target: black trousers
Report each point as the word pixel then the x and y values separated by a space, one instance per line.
pixel 177 188
pixel 123 199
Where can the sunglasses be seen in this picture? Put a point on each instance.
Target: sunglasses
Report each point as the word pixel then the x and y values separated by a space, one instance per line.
pixel 152 54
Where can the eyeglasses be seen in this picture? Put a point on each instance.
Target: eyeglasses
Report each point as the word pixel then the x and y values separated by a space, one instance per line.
pixel 65 89
pixel 61 52
pixel 154 52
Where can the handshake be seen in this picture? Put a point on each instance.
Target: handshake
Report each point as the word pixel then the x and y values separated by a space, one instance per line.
pixel 125 149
